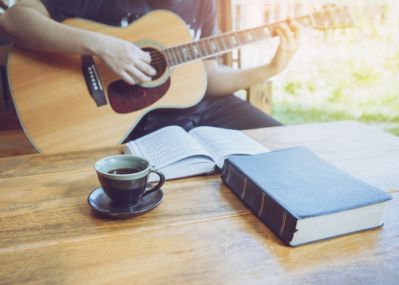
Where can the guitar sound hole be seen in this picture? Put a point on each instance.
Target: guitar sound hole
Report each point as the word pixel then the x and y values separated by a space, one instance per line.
pixel 125 98
pixel 158 62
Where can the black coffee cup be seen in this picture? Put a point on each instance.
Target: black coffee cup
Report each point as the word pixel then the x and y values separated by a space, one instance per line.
pixel 124 178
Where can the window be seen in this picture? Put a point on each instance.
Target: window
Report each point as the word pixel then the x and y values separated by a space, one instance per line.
pixel 348 74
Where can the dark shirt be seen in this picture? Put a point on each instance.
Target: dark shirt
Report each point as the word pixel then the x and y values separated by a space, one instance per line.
pixel 200 15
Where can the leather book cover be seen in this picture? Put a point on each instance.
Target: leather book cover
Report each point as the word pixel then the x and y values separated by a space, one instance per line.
pixel 282 187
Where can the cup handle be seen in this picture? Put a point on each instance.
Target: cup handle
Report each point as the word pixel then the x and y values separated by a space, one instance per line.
pixel 158 185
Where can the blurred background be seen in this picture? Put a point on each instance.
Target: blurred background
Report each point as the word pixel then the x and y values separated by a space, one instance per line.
pixel 350 74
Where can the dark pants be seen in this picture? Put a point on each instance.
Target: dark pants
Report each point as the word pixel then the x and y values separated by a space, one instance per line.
pixel 223 112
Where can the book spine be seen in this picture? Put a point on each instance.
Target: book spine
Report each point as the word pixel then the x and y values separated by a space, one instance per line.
pixel 269 211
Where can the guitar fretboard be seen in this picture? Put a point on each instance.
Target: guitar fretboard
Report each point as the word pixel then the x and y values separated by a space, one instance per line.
pixel 215 45
pixel 335 17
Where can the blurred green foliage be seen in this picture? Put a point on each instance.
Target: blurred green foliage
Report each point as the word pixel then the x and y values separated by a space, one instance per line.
pixel 355 77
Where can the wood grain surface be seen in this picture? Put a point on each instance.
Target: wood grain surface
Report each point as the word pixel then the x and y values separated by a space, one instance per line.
pixel 200 234
pixel 14 142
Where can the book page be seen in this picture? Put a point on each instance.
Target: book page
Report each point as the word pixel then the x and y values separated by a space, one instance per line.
pixel 221 143
pixel 168 145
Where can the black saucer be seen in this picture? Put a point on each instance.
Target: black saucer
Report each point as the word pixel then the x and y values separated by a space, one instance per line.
pixel 101 204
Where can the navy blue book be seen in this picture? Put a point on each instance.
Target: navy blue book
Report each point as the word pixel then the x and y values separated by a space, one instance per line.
pixel 303 198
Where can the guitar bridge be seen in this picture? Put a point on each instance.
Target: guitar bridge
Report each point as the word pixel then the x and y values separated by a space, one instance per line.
pixel 93 81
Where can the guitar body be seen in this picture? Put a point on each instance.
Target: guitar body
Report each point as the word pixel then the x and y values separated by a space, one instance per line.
pixel 59 113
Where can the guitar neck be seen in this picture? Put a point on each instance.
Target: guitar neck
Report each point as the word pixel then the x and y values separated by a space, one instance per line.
pixel 215 45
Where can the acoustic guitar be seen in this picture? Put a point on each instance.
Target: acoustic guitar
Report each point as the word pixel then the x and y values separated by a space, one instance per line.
pixel 72 102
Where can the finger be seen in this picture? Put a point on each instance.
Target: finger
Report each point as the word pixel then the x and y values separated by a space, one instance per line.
pixel 146 68
pixel 288 34
pixel 145 56
pixel 283 37
pixel 127 78
pixel 296 28
pixel 137 74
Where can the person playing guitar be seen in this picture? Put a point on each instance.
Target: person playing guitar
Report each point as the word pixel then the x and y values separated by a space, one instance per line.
pixel 37 25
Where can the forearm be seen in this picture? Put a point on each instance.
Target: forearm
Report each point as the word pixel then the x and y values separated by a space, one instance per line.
pixel 31 27
pixel 223 80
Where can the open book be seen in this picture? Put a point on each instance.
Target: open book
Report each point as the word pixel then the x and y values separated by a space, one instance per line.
pixel 177 153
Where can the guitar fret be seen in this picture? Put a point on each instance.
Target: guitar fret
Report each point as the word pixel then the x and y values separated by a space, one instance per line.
pixel 228 41
pixel 213 46
pixel 202 47
pixel 169 57
pixel 175 58
pixel 186 53
pixel 242 37
pixel 176 61
pixel 266 31
pixel 207 47
pixel 178 55
pixel 225 43
pixel 226 47
pixel 233 41
pixel 249 36
pixel 237 38
pixel 190 48
pixel 190 51
pixel 258 33
pixel 218 44
pixel 196 50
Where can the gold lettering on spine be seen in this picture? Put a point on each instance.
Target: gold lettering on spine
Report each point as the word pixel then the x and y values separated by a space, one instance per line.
pixel 283 222
pixel 262 205
pixel 244 188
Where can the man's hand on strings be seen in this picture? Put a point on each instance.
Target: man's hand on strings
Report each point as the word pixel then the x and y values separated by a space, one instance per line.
pixel 289 35
pixel 127 60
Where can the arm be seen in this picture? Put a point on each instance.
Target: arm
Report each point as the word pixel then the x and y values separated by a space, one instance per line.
pixel 223 80
pixel 28 24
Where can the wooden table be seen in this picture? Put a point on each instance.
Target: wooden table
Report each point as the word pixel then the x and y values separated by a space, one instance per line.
pixel 200 234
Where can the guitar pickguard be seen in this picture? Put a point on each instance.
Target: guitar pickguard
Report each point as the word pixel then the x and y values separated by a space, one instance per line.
pixel 125 98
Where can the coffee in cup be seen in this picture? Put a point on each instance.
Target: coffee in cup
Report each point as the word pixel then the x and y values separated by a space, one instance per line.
pixel 124 178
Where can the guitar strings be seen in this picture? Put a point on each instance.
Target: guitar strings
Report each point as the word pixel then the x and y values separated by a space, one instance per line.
pixel 158 57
